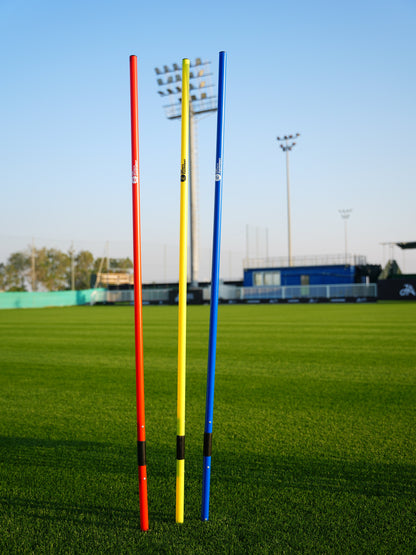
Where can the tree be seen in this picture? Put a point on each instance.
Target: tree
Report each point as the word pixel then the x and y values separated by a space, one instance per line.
pixel 120 264
pixel 16 271
pixel 2 277
pixel 55 269
pixel 83 268
pixel 112 265
pixel 52 268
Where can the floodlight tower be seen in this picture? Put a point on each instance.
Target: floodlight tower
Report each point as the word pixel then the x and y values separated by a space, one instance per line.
pixel 202 100
pixel 345 214
pixel 286 145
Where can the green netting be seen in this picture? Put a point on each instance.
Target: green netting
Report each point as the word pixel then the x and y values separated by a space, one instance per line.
pixel 43 299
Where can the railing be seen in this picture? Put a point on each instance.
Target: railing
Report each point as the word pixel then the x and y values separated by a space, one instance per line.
pixel 165 296
pixel 311 260
pixel 127 296
pixel 264 293
pixel 355 290
pixel 155 295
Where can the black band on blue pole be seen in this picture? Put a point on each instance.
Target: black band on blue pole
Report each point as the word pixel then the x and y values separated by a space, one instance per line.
pixel 207 444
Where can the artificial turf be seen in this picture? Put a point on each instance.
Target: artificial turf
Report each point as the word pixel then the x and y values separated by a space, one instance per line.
pixel 314 443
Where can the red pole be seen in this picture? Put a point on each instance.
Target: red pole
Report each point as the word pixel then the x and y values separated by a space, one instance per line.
pixel 138 319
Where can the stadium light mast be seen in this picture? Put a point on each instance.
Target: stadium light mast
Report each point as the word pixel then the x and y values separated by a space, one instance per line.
pixel 345 214
pixel 202 100
pixel 286 144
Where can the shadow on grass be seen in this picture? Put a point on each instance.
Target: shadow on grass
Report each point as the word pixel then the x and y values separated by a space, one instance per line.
pixel 82 514
pixel 68 453
pixel 328 474
pixel 113 468
pixel 47 460
pixel 263 475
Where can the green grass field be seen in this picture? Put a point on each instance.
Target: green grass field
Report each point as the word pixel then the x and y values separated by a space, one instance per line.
pixel 314 444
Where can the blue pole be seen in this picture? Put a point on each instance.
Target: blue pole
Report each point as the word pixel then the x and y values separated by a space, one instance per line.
pixel 215 279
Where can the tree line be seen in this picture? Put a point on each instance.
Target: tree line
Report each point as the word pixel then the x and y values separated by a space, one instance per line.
pixel 49 269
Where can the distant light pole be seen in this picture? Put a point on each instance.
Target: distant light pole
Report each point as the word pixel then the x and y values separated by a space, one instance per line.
pixel 33 273
pixel 287 146
pixel 203 99
pixel 345 214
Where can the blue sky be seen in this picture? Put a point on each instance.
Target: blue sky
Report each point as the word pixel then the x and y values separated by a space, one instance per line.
pixel 340 73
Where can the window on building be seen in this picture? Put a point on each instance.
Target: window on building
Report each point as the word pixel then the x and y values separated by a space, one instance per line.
pixel 258 279
pixel 271 278
pixel 304 280
pixel 266 278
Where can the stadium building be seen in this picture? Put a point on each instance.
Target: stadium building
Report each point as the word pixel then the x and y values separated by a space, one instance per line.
pixel 310 279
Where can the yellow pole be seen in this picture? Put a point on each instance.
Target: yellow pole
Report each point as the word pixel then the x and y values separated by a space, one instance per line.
pixel 183 267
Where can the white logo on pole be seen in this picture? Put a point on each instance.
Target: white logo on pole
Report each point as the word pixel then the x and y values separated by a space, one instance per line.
pixel 135 172
pixel 218 170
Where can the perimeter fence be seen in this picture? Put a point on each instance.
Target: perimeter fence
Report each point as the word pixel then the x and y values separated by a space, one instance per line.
pixel 357 292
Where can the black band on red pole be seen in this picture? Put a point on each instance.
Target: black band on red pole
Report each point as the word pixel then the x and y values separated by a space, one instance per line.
pixel 141 453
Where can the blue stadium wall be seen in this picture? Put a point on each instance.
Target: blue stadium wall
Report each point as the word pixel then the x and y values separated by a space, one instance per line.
pixel 318 275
